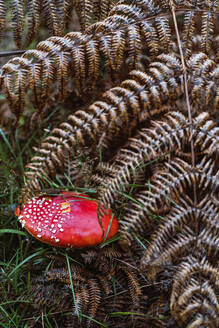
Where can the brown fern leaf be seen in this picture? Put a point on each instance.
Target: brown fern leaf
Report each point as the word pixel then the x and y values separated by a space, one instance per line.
pixel 204 82
pixel 196 48
pixel 137 142
pixel 102 8
pixel 89 11
pixel 85 11
pixel 93 57
pixel 148 146
pixel 192 24
pixel 207 29
pixel 134 29
pixel 78 169
pixel 95 295
pixel 118 114
pixel 66 55
pixel 134 287
pixel 14 85
pixel 194 299
pixel 187 242
pixel 53 13
pixel 189 28
pixel 28 16
pixel 2 17
pixel 164 32
pixel 189 299
pixel 102 283
pixel 33 20
pixel 18 21
pixel 170 239
pixel 152 200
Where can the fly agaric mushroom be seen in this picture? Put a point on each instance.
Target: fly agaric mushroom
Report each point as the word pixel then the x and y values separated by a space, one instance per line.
pixel 67 220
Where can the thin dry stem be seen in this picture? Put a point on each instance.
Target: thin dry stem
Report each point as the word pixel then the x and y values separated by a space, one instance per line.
pixel 186 92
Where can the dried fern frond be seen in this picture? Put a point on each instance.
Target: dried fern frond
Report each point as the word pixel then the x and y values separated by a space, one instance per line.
pixel 207 29
pixel 26 18
pixel 121 109
pixel 194 299
pixel 192 23
pixel 151 144
pixel 78 167
pixel 2 17
pixel 105 281
pixel 186 243
pixel 113 44
pixel 136 140
pixel 148 146
pixel 89 11
pixel 177 237
pixel 62 56
pixel 204 82
pixel 17 10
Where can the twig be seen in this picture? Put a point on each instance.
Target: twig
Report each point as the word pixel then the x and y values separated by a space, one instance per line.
pixel 42 319
pixel 12 53
pixel 186 93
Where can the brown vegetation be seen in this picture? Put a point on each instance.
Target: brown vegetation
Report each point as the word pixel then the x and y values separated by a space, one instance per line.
pixel 139 82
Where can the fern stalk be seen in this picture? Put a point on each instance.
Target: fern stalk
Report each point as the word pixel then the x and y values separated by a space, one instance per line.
pixel 186 95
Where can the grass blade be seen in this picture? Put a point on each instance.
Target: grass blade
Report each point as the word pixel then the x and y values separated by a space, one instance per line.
pixel 7 142
pixel 17 232
pixel 71 282
pixel 117 314
pixel 91 319
pixel 26 260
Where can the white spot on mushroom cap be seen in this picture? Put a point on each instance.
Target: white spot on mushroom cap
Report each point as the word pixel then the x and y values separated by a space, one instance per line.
pixel 45 217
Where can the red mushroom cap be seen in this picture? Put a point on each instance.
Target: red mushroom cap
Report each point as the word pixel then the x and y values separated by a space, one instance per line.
pixel 67 220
